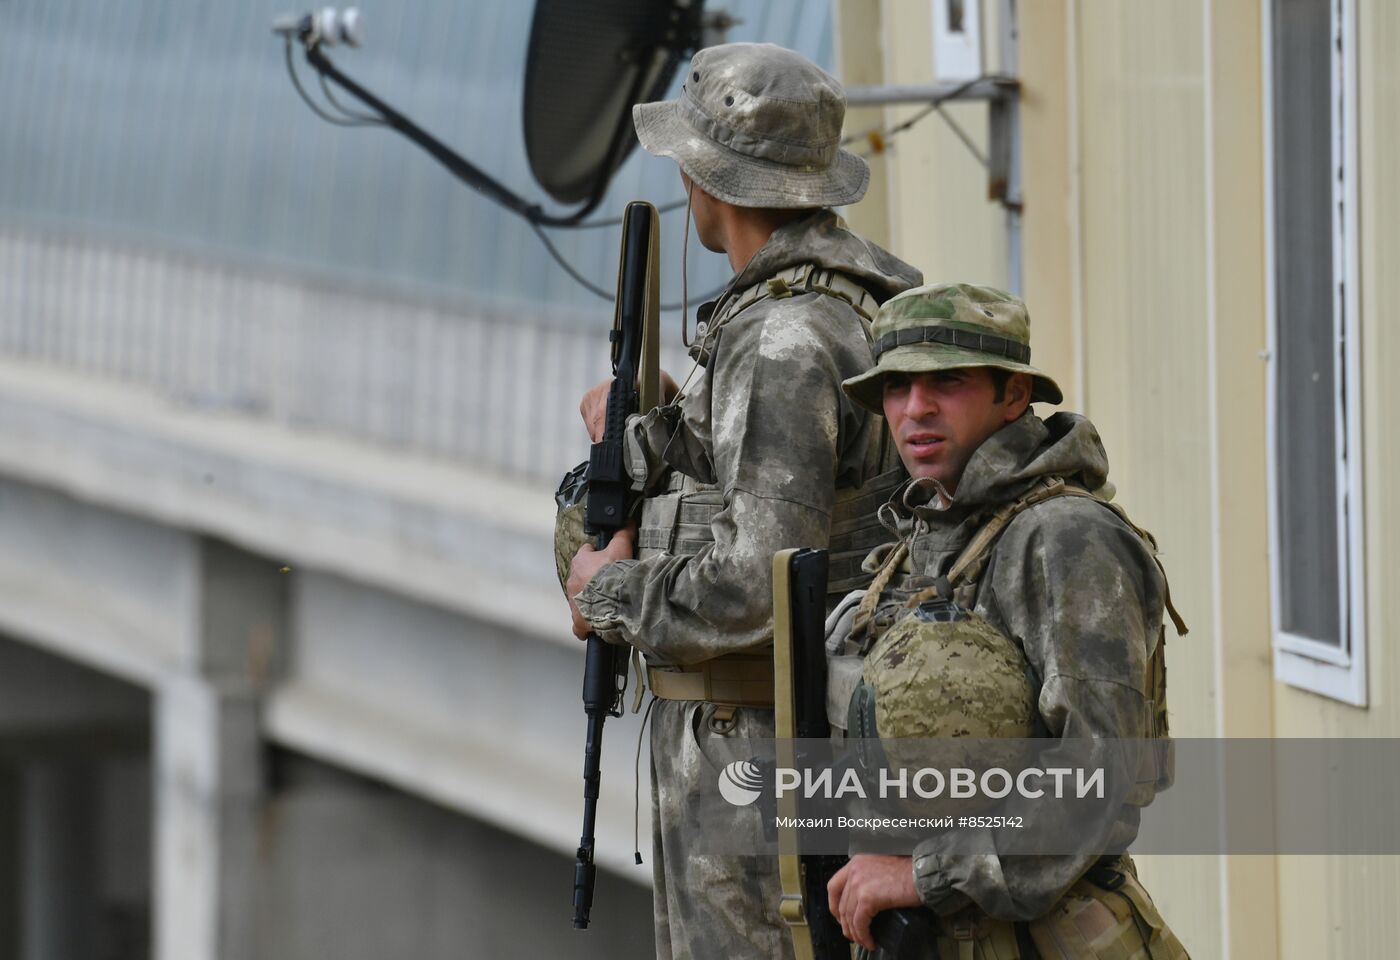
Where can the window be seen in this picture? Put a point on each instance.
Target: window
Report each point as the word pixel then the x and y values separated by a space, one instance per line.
pixel 957 40
pixel 1314 370
pixel 957 12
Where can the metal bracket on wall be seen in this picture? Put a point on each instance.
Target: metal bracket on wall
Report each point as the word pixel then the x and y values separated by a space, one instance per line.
pixel 1002 92
pixel 1002 95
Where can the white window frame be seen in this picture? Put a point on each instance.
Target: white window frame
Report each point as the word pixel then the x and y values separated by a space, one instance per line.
pixel 1336 672
pixel 957 56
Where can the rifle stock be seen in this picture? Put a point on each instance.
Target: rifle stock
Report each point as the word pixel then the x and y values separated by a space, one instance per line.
pixel 799 672
pixel 799 669
pixel 608 508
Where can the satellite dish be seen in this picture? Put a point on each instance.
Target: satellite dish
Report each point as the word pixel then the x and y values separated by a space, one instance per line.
pixel 588 62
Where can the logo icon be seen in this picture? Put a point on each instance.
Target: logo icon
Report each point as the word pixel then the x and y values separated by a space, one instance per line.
pixel 741 782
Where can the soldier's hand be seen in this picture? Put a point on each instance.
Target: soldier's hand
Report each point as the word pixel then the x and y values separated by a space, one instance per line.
pixel 594 405
pixel 868 884
pixel 594 410
pixel 668 388
pixel 586 564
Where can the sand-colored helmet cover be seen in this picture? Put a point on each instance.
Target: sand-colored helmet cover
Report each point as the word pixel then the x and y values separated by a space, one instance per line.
pixel 569 534
pixel 944 672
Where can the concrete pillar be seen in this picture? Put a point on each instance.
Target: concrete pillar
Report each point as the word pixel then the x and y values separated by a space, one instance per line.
pixel 208 760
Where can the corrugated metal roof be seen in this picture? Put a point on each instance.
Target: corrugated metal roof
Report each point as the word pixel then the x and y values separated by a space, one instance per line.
pixel 175 124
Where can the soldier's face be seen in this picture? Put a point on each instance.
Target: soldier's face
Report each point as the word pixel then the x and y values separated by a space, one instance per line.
pixel 705 216
pixel 939 419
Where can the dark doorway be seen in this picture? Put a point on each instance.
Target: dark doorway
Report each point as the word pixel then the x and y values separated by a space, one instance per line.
pixel 75 811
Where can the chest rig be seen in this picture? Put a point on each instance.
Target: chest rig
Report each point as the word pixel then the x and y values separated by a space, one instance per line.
pixel 1108 899
pixel 678 520
pixel 960 585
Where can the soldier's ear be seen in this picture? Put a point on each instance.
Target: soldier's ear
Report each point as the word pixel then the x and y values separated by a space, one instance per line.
pixel 1018 395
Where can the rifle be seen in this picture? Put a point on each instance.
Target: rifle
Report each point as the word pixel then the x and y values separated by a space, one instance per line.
pixel 634 389
pixel 799 703
pixel 799 671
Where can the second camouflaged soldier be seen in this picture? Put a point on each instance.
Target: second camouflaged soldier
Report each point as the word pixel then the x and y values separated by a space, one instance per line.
pixel 765 452
pixel 1008 517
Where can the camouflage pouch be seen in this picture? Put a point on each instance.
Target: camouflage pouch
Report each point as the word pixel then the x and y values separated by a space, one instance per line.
pixel 1106 915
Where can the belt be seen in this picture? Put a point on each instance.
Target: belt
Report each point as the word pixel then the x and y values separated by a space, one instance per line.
pixel 734 680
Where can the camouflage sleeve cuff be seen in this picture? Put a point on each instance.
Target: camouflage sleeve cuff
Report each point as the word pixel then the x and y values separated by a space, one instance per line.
pixel 935 886
pixel 645 441
pixel 603 600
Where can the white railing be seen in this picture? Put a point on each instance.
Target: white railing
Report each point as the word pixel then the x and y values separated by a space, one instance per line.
pixel 492 387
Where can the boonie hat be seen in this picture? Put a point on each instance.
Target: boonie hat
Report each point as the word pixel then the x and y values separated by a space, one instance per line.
pixel 757 125
pixel 946 326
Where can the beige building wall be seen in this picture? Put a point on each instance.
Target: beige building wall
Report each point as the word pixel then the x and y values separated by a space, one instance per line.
pixel 1145 273
pixel 1144 269
pixel 939 217
pixel 1346 906
pixel 860 60
pixel 1050 184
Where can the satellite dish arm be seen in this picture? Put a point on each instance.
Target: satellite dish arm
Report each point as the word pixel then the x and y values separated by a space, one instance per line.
pixel 459 166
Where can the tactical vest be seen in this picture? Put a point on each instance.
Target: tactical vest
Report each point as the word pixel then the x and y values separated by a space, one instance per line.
pixel 1107 913
pixel 961 583
pixel 678 519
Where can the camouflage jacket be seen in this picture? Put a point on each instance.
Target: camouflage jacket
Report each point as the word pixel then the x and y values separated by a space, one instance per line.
pixel 767 434
pixel 1083 596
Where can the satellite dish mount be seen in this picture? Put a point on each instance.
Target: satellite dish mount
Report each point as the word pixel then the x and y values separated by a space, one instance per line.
pixel 589 61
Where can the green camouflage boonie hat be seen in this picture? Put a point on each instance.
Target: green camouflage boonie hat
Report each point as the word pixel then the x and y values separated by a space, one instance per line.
pixel 944 326
pixel 943 671
pixel 757 125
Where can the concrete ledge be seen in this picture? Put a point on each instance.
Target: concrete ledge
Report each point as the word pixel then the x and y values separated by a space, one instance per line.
pixel 462 539
pixel 102 588
pixel 421 592
pixel 531 796
pixel 460 712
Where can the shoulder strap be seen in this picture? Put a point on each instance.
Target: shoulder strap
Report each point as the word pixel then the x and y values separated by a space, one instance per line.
pixel 800 279
pixel 871 600
pixel 968 567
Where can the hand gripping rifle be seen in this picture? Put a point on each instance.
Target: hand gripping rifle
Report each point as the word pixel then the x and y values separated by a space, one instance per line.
pixel 636 379
pixel 799 695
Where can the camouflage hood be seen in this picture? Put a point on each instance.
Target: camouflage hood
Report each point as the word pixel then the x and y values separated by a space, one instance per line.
pixel 821 237
pixel 1007 465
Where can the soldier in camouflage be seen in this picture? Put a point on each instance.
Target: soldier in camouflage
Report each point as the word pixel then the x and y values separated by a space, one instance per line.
pixel 1008 517
pixel 764 452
